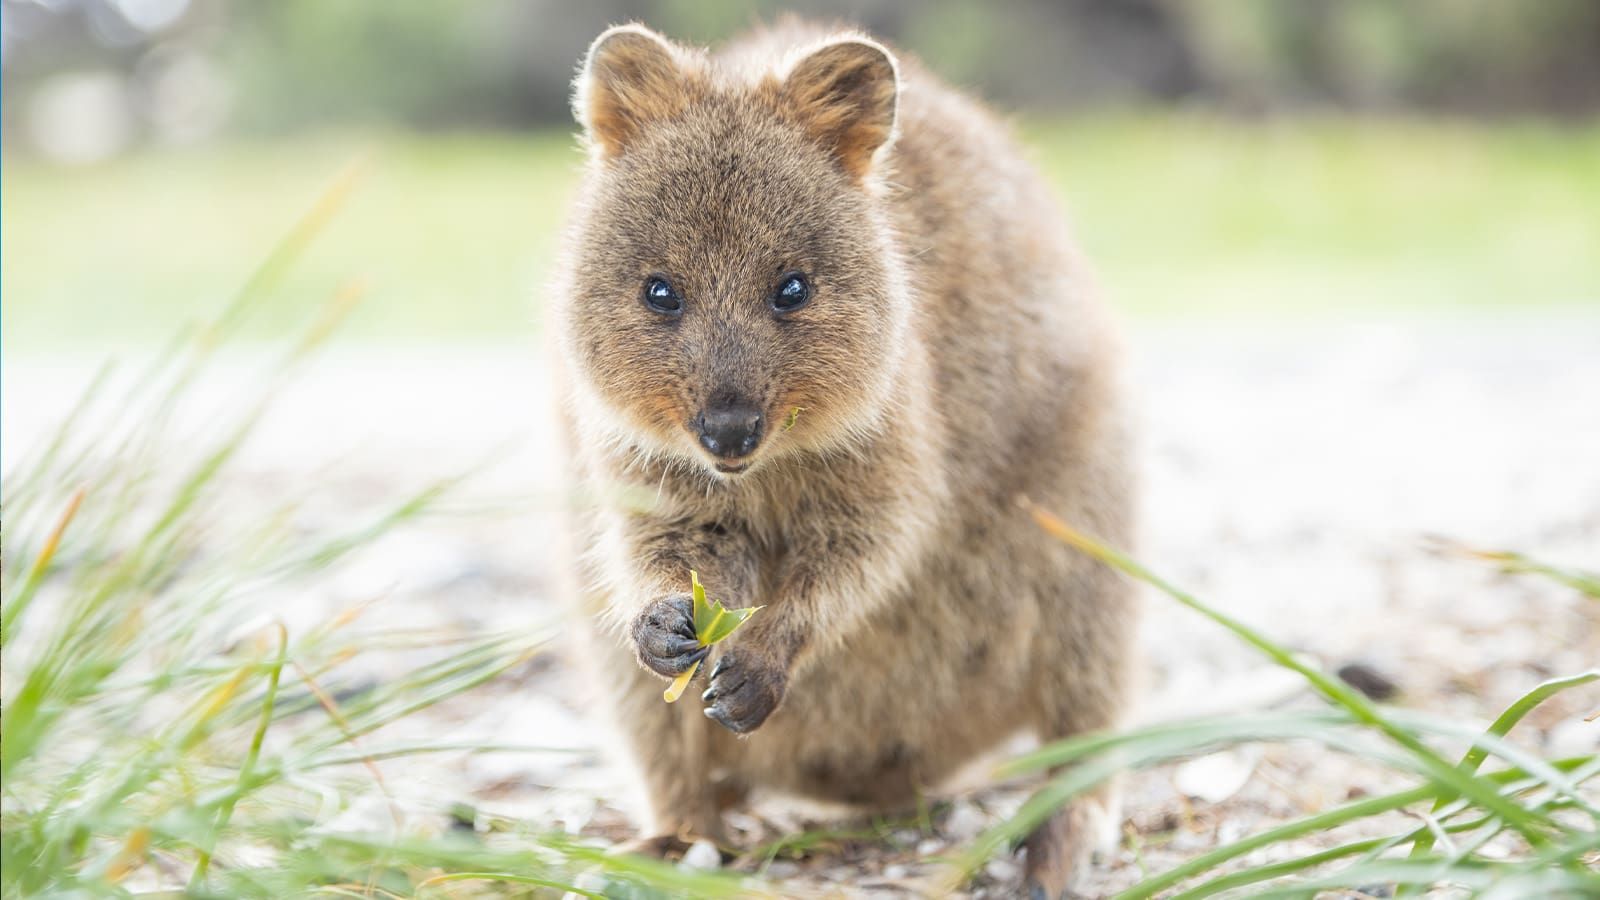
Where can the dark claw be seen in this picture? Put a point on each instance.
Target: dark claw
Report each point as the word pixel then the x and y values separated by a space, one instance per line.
pixel 677 665
pixel 681 646
pixel 675 657
pixel 709 696
pixel 716 714
pixel 730 681
pixel 684 662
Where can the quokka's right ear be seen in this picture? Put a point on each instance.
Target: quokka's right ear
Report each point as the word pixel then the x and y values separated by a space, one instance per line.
pixel 846 95
pixel 631 78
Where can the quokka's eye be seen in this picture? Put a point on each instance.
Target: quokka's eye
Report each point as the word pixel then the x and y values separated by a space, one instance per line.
pixel 661 296
pixel 792 293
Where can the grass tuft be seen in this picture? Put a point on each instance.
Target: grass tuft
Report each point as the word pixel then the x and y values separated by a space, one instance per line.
pixel 1541 804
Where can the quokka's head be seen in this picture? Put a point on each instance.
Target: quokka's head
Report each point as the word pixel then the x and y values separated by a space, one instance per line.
pixel 733 293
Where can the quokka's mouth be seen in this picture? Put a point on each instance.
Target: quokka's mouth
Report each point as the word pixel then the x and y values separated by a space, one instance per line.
pixel 731 468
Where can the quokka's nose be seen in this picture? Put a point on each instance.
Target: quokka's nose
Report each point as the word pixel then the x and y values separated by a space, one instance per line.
pixel 730 431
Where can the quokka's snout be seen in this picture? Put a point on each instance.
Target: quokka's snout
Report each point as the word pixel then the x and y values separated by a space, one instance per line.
pixel 730 428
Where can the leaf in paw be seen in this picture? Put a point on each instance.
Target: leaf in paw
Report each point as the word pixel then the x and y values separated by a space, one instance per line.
pixel 663 636
pixel 745 689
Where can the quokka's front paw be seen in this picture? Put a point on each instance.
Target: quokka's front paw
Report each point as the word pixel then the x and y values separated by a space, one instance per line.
pixel 746 686
pixel 663 636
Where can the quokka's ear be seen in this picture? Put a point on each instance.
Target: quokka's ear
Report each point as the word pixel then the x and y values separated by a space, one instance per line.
pixel 844 94
pixel 631 77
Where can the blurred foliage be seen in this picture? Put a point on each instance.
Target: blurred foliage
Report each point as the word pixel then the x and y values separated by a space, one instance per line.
pixel 422 63
pixel 1453 54
pixel 1324 210
pixel 503 63
pixel 1182 214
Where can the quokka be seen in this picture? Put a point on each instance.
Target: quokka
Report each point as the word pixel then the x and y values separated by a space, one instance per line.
pixel 819 309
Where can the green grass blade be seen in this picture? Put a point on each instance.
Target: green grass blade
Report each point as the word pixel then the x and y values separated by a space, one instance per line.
pixel 1476 877
pixel 1094 759
pixel 18 602
pixel 1333 818
pixel 1502 726
pixel 1199 733
pixel 198 879
pixel 1509 782
pixel 1515 563
pixel 288 251
pixel 507 878
pixel 1278 869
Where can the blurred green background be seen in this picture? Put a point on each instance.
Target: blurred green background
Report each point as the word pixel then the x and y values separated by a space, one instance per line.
pixel 1242 157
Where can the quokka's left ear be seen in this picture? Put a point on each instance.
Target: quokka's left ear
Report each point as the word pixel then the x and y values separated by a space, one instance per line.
pixel 845 95
pixel 631 79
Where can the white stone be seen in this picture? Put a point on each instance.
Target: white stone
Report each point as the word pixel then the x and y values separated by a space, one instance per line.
pixel 965 822
pixel 702 855
pixel 1001 869
pixel 1216 777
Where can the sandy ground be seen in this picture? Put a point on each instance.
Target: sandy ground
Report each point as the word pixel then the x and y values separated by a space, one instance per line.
pixel 1294 474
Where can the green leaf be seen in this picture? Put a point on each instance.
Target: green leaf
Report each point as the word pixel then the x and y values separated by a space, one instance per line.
pixel 703 614
pixel 713 623
pixel 676 688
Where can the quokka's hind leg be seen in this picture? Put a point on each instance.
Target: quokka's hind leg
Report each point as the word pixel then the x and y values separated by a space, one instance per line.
pixel 1060 852
pixel 1090 662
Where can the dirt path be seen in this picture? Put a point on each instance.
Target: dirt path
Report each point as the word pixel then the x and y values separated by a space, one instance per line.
pixel 1293 473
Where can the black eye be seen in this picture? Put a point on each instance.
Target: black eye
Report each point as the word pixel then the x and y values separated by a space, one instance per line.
pixel 661 296
pixel 792 293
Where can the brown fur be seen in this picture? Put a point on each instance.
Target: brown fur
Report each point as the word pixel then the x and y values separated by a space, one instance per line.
pixel 953 357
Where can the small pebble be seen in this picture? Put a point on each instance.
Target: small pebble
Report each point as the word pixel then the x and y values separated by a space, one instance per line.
pixel 782 868
pixel 965 822
pixel 1001 869
pixel 1368 680
pixel 463 817
pixel 930 847
pixel 895 871
pixel 1230 831
pixel 702 855
pixel 1188 841
pixel 592 881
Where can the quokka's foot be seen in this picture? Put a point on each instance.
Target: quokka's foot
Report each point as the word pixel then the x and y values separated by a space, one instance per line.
pixel 669 847
pixel 1062 850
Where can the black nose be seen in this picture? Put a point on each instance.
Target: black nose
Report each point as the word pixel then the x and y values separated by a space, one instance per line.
pixel 730 431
